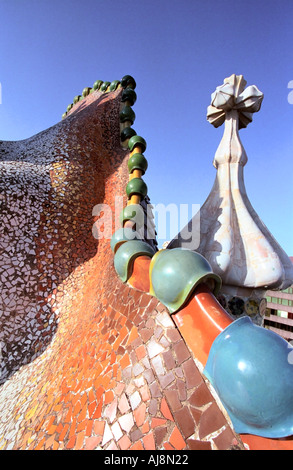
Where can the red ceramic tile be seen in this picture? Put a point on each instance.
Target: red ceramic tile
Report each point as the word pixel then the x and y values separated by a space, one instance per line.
pixel 71 442
pixel 201 396
pixel 145 393
pixel 185 421
pixel 192 375
pixel 225 440
pixel 91 408
pixel 98 411
pixel 194 444
pixel 212 419
pixel 160 435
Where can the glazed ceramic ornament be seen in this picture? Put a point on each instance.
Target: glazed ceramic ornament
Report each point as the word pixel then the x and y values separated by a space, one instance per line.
pixel 127 253
pixel 174 275
pixel 251 369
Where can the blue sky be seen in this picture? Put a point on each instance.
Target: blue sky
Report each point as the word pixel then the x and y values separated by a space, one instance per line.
pixel 178 51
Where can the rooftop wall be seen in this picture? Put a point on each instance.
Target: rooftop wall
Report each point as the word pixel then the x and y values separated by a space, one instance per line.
pixel 87 361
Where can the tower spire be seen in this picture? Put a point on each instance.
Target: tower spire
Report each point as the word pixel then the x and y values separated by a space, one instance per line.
pixel 234 240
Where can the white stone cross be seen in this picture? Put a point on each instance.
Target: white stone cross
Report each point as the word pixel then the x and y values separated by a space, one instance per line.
pixel 232 96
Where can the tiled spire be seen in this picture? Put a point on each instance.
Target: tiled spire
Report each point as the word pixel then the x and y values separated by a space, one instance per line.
pixel 233 238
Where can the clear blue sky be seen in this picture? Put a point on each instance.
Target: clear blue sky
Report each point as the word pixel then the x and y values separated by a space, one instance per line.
pixel 178 51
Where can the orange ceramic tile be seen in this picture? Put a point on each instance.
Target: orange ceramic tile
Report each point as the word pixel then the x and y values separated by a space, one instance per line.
pixel 157 422
pixel 262 443
pixel 89 427
pixel 125 361
pixel 137 446
pixel 132 336
pixel 49 442
pixel 71 442
pixel 124 443
pixel 139 414
pixel 176 439
pixel 51 429
pixel 81 426
pixel 91 408
pixel 168 446
pixel 122 334
pixel 77 408
pixel 99 427
pixel 99 392
pixel 166 410
pixel 98 411
pixel 79 440
pixel 140 352
pixel 149 442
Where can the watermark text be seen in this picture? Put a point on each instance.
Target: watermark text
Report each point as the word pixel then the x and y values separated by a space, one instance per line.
pixel 290 95
pixel 156 221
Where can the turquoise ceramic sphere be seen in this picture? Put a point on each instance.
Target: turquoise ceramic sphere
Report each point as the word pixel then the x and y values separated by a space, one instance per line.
pixel 251 369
